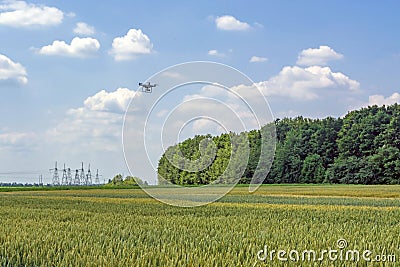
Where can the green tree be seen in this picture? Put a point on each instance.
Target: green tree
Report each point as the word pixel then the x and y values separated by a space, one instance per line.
pixel 312 171
pixel 361 148
pixel 344 170
pixel 118 179
pixel 130 180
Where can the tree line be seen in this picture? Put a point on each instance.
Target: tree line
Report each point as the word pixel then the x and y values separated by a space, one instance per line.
pixel 363 147
pixel 118 180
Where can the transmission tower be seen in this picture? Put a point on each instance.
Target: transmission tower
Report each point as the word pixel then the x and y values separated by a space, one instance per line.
pixel 56 179
pixel 69 176
pixel 40 180
pixel 76 180
pixel 82 176
pixel 64 179
pixel 89 176
pixel 97 179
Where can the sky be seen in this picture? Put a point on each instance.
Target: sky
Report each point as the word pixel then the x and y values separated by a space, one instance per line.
pixel 69 69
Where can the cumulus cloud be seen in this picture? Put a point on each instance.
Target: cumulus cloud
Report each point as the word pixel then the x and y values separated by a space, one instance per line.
pixel 82 28
pixel 128 47
pixel 230 23
pixel 203 126
pixel 79 47
pixel 17 140
pixel 381 100
pixel 304 83
pixel 214 52
pixel 254 59
pixel 116 101
pixel 229 110
pixel 10 70
pixel 97 123
pixel 88 129
pixel 22 14
pixel 317 56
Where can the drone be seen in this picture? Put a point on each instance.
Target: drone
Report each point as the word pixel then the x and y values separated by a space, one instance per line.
pixel 147 87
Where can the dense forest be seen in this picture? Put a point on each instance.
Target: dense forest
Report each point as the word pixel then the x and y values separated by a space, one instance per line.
pixel 361 148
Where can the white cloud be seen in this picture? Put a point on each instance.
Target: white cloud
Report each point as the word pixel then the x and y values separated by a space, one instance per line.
pixel 79 47
pixel 83 128
pixel 173 75
pixel 97 124
pixel 205 126
pixel 304 83
pixel 22 14
pixel 380 100
pixel 162 113
pixel 258 59
pixel 230 23
pixel 215 53
pixel 84 29
pixel 116 101
pixel 70 14
pixel 10 70
pixel 317 56
pixel 259 25
pixel 228 109
pixel 17 140
pixel 134 43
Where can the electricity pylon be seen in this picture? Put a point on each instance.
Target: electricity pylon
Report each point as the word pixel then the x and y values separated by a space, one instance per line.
pixel 64 179
pixel 89 176
pixel 56 178
pixel 97 179
pixel 76 180
pixel 69 176
pixel 82 176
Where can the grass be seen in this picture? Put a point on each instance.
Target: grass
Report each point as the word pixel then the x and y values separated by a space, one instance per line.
pixel 125 227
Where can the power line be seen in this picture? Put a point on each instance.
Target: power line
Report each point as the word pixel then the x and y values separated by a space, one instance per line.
pixel 21 172
pixel 65 178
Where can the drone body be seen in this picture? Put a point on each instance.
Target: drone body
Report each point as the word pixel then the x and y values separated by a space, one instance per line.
pixel 147 87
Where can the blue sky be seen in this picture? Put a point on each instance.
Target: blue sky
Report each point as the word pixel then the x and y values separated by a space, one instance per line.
pixel 64 100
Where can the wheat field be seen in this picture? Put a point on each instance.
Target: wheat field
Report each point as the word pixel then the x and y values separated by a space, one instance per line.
pixel 125 227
